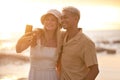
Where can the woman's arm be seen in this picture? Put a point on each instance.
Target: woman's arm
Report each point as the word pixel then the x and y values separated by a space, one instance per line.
pixel 29 39
pixel 23 43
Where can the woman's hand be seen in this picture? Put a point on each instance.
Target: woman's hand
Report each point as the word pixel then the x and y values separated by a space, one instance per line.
pixel 26 40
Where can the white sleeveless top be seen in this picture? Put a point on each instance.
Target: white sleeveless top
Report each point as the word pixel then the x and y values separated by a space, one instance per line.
pixel 43 63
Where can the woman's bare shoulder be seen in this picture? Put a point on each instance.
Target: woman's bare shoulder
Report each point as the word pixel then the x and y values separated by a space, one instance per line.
pixel 38 29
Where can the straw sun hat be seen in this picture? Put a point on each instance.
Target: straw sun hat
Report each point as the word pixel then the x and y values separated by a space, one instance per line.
pixel 54 12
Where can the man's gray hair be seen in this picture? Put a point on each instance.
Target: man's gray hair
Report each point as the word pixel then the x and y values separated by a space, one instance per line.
pixel 73 10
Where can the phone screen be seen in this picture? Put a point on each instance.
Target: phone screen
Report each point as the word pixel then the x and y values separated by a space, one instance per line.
pixel 28 28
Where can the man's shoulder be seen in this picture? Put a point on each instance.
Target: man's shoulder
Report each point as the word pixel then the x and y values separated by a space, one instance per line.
pixel 86 38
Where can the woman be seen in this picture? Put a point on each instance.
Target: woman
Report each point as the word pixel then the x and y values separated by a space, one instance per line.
pixel 43 47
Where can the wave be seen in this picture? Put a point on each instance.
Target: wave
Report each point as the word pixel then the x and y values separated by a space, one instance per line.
pixel 16 59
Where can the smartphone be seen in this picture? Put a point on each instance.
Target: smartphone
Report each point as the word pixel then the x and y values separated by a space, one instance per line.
pixel 28 28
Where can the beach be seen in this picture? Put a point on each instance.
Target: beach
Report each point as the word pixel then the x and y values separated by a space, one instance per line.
pixel 15 66
pixel 108 64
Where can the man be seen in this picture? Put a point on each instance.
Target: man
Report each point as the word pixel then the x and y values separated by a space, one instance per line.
pixel 78 59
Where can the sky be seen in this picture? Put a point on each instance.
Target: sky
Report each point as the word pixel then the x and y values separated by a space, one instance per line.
pixel 95 14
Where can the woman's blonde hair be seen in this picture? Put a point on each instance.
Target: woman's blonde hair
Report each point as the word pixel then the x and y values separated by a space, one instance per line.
pixel 40 32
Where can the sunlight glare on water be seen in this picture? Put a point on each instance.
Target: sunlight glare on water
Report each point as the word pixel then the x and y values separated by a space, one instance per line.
pixel 5 35
pixel 9 78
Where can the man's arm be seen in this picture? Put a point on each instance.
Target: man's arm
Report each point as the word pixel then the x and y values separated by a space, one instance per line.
pixel 93 72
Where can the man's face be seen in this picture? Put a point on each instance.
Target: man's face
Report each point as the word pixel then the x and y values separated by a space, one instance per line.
pixel 67 20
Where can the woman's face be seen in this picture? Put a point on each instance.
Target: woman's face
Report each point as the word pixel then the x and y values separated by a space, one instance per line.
pixel 50 22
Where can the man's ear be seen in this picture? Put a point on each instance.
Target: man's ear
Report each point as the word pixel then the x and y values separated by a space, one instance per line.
pixel 76 18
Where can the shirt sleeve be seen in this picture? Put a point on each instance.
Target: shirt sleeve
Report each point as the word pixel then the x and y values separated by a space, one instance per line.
pixel 90 56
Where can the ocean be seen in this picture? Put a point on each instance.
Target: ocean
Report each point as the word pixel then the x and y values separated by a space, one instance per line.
pixel 14 66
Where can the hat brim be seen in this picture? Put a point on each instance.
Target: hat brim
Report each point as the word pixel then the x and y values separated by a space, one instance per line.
pixel 44 16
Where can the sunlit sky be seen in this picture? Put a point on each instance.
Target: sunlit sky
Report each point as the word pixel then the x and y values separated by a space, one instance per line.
pixel 95 14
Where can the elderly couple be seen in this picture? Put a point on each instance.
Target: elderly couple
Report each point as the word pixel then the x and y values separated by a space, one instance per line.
pixel 60 55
